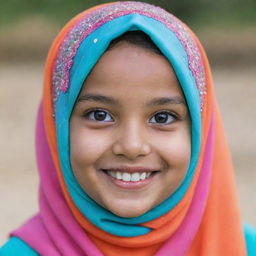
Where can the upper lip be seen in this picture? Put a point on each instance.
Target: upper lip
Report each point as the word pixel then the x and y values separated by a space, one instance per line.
pixel 131 169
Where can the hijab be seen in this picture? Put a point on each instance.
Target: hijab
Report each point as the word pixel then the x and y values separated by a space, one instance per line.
pixel 200 218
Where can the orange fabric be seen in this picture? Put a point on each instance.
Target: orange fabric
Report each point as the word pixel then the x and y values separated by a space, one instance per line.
pixel 109 250
pixel 220 232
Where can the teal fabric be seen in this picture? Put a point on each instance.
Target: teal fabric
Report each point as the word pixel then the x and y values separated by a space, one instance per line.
pixel 250 238
pixel 87 56
pixel 16 247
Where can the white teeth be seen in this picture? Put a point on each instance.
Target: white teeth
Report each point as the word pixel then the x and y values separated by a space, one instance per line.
pixel 125 176
pixel 112 174
pixel 135 176
pixel 118 175
pixel 143 176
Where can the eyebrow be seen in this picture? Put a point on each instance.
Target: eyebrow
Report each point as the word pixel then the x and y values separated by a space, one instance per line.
pixel 166 101
pixel 111 101
pixel 98 98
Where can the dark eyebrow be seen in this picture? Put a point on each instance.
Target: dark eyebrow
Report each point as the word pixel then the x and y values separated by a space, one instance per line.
pixel 98 98
pixel 111 101
pixel 166 101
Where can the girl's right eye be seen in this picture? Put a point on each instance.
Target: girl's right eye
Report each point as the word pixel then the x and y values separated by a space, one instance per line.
pixel 99 115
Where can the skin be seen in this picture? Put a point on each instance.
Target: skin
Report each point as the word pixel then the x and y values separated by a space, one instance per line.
pixel 130 135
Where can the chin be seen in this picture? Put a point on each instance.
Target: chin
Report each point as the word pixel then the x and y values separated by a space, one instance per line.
pixel 128 212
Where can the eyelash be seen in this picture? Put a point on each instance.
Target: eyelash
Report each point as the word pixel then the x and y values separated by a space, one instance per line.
pixel 87 115
pixel 168 113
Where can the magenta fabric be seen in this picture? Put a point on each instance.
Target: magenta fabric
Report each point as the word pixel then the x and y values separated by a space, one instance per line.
pixel 54 231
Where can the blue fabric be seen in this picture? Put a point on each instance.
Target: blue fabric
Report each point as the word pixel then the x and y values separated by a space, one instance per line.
pixel 250 239
pixel 16 247
pixel 86 57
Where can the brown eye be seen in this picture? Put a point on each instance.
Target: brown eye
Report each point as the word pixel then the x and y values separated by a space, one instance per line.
pixel 163 118
pixel 99 115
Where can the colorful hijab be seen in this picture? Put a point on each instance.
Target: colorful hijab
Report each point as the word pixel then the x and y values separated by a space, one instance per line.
pixel 200 218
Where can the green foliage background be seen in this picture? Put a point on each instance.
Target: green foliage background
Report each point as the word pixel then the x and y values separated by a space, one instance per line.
pixel 195 12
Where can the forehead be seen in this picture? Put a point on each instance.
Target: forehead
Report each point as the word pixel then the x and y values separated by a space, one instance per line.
pixel 128 68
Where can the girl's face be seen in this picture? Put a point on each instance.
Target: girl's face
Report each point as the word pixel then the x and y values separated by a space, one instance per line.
pixel 130 131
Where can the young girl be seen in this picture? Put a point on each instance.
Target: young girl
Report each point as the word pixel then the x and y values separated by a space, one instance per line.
pixel 130 146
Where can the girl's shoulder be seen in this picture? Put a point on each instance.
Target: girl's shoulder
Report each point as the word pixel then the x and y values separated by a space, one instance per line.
pixel 15 246
pixel 250 238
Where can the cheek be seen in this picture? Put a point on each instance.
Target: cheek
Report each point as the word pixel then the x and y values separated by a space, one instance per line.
pixel 175 149
pixel 86 146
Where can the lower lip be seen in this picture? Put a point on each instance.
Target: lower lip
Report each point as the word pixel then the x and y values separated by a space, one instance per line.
pixel 132 184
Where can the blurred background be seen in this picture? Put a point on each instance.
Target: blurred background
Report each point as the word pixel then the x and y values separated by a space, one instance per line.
pixel 227 29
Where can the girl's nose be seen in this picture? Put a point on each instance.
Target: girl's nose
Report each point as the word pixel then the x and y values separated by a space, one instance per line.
pixel 131 142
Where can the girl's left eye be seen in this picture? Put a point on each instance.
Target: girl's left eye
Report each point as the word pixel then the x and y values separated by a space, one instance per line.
pixel 163 118
pixel 99 115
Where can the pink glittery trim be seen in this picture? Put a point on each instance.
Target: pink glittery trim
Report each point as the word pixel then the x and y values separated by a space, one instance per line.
pixel 61 81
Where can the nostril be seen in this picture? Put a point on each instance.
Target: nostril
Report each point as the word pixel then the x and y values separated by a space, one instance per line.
pixel 131 149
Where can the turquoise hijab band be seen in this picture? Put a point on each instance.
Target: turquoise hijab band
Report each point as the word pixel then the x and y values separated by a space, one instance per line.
pixel 87 56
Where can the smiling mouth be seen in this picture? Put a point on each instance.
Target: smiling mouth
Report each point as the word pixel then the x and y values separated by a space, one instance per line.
pixel 130 176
